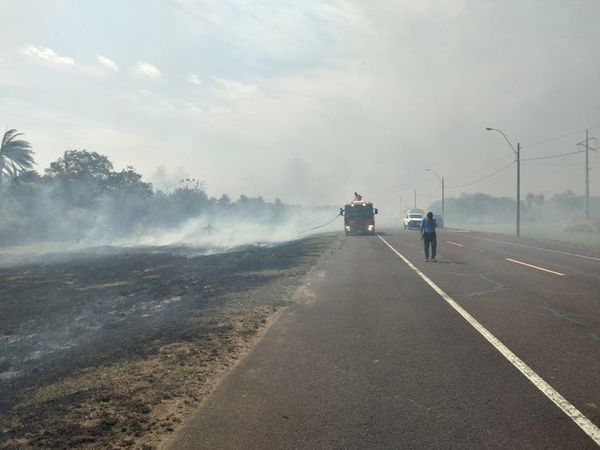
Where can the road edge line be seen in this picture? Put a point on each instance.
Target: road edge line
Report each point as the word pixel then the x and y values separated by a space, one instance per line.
pixel 516 261
pixel 585 424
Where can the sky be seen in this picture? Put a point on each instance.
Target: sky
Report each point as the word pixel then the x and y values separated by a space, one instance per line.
pixel 309 101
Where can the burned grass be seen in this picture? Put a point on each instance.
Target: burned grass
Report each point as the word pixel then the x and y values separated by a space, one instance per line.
pixel 115 350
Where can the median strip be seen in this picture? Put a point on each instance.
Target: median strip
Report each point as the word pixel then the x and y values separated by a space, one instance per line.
pixel 535 267
pixel 585 424
pixel 455 243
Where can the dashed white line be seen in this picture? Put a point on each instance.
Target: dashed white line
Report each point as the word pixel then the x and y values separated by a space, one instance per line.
pixel 593 258
pixel 571 411
pixel 455 243
pixel 535 267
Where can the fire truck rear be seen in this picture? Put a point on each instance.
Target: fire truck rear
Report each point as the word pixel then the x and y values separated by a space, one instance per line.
pixel 359 217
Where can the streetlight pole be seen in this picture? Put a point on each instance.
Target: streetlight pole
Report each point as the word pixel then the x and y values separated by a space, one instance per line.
pixel 411 187
pixel 587 172
pixel 443 197
pixel 518 189
pixel 517 153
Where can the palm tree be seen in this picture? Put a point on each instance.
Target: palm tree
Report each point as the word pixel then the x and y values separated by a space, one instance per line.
pixel 16 155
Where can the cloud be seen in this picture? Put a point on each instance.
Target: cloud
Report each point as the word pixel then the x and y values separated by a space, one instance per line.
pixel 272 36
pixel 107 62
pixel 158 106
pixel 47 54
pixel 147 70
pixel 226 89
pixel 194 79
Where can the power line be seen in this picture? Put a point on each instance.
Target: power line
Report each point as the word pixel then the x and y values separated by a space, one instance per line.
pixel 553 156
pixel 482 179
pixel 434 190
pixel 545 141
pixel 557 138
pixel 481 169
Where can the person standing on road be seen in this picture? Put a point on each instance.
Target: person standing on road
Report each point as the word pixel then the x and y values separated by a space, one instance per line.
pixel 428 226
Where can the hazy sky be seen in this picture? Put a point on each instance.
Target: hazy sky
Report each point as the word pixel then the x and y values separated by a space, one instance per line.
pixel 308 100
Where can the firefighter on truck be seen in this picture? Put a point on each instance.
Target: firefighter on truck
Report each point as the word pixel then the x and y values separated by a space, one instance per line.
pixel 359 216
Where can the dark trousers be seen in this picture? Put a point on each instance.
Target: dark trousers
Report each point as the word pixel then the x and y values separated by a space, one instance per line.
pixel 430 239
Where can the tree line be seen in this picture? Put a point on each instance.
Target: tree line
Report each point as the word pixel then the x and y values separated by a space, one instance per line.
pixel 481 208
pixel 81 195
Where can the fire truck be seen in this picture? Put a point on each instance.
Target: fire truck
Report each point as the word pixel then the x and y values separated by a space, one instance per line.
pixel 359 217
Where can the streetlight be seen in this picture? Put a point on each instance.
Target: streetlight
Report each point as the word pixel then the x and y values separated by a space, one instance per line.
pixel 517 153
pixel 441 181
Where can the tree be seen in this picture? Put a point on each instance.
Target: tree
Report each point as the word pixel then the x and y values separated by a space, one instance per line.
pixel 224 202
pixel 568 202
pixel 190 198
pixel 529 201
pixel 81 164
pixel 128 181
pixel 16 155
pixel 80 177
pixel 539 200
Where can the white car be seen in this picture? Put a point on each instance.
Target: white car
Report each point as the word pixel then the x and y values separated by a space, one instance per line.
pixel 412 220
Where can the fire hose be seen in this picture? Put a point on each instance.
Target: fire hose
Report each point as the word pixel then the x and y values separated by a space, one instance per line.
pixel 321 226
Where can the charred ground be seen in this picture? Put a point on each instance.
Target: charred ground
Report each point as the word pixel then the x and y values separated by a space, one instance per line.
pixel 114 347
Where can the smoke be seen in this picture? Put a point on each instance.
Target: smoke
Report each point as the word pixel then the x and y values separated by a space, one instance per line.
pixel 49 214
pixel 235 230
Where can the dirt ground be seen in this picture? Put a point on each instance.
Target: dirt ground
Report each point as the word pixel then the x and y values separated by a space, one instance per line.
pixel 114 348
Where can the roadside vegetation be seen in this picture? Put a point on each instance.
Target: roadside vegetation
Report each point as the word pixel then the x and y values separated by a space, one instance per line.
pixel 559 218
pixel 112 343
pixel 82 198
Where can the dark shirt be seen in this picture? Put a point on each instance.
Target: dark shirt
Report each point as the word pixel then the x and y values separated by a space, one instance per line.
pixel 428 226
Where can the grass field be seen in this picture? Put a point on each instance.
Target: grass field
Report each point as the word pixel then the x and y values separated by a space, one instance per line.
pixel 544 232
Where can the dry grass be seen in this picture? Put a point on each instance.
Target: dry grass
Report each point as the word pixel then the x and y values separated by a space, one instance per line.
pixel 137 362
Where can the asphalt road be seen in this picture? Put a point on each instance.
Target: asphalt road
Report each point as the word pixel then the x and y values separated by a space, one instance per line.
pixel 376 356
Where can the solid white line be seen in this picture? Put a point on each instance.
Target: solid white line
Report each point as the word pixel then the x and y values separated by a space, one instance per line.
pixel 576 416
pixel 535 267
pixel 455 243
pixel 593 258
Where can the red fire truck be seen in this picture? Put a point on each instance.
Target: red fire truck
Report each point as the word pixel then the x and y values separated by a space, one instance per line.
pixel 359 217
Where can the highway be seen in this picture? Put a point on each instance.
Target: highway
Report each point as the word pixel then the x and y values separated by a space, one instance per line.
pixel 496 345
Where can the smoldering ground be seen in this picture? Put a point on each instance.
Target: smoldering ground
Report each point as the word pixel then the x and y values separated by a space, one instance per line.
pixel 117 347
pixel 121 303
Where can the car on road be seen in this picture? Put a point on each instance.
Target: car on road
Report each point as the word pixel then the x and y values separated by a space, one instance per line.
pixel 412 219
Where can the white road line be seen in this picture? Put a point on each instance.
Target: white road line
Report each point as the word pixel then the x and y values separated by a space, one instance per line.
pixel 535 267
pixel 593 258
pixel 455 243
pixel 576 416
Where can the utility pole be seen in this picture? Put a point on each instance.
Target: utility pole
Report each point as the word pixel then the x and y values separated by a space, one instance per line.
pixel 517 153
pixel 441 179
pixel 518 189
pixel 415 199
pixel 443 199
pixel 586 145
pixel 587 174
